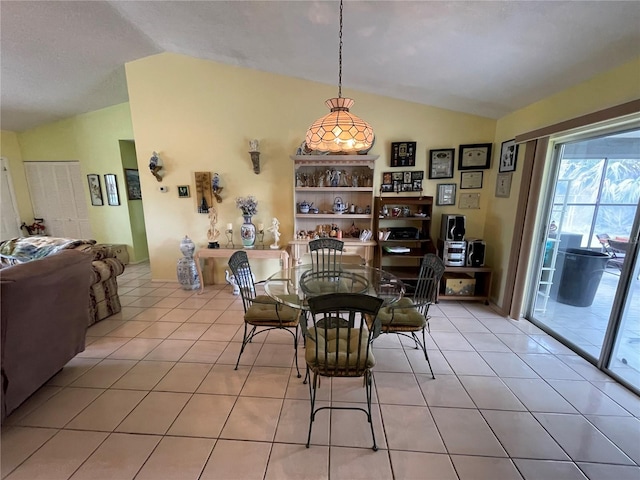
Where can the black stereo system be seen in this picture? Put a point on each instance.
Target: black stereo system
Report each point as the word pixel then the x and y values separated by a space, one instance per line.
pixel 404 233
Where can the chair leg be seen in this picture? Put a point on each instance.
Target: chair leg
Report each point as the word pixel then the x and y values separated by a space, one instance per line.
pixel 426 355
pixel 312 396
pixel 245 339
pixel 368 386
pixel 295 348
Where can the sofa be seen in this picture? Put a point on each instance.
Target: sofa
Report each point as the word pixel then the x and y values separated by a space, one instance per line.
pixel 45 311
pixel 103 294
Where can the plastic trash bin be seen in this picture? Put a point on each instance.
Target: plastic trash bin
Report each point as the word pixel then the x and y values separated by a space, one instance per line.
pixel 581 275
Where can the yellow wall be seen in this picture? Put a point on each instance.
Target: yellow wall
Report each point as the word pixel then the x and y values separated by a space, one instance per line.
pixel 611 88
pixel 136 213
pixel 10 149
pixel 200 115
pixel 93 140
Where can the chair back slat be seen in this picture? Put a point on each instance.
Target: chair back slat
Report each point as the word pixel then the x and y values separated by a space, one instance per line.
pixel 326 254
pixel 239 264
pixel 340 333
pixel 431 271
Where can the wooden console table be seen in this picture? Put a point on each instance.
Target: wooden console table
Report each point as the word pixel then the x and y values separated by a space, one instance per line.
pixel 205 253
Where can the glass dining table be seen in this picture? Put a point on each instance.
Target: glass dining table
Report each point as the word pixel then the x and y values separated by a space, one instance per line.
pixel 293 286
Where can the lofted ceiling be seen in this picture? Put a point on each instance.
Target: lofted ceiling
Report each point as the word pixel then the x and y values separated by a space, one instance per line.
pixel 489 58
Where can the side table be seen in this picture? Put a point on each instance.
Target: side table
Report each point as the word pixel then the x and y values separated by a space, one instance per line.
pixel 205 253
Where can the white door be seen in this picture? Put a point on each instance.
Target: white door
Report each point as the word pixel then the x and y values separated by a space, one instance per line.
pixel 57 195
pixel 9 218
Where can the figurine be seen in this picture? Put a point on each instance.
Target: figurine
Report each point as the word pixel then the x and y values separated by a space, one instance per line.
pixel 155 167
pixel 274 228
pixel 216 188
pixel 213 233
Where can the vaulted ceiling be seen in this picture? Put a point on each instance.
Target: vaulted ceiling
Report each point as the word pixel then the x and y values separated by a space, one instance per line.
pixel 61 58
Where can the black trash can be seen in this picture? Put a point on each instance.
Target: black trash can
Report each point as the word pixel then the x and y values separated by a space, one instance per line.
pixel 581 275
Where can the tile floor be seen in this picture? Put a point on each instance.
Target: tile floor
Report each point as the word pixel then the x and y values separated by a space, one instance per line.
pixel 155 396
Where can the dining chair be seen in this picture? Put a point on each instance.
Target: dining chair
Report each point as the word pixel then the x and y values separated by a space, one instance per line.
pixel 326 253
pixel 409 315
pixel 261 312
pixel 338 344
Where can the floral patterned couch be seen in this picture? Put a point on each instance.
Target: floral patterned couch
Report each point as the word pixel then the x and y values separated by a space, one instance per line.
pixel 104 289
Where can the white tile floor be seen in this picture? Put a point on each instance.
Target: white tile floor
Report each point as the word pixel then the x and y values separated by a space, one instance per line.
pixel 155 396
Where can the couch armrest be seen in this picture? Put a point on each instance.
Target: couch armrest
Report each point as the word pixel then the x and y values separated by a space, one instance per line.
pixel 105 269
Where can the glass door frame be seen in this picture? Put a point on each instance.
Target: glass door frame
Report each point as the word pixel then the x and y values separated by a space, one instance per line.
pixel 549 180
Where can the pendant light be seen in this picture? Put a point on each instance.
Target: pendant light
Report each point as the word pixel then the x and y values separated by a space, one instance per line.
pixel 340 131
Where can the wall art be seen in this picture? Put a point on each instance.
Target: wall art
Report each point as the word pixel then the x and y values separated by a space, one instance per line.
pixel 441 163
pixel 95 190
pixel 474 157
pixel 446 194
pixel 503 185
pixel 470 180
pixel 403 154
pixel 132 177
pixel 111 185
pixel 508 156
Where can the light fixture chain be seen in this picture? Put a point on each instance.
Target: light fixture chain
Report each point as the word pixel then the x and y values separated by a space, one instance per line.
pixel 340 57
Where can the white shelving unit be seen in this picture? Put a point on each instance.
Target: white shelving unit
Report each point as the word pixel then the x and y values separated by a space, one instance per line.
pixel 355 187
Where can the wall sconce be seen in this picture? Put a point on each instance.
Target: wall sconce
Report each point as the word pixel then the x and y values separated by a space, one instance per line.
pixel 255 155
pixel 155 165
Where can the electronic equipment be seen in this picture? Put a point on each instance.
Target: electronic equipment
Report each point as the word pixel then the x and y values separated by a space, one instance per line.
pixel 404 233
pixel 452 253
pixel 475 252
pixel 453 227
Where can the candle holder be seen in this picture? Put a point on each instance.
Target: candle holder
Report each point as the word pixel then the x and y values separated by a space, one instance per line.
pixel 261 238
pixel 229 233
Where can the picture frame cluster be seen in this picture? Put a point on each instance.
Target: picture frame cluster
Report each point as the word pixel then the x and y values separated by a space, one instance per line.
pixel 407 181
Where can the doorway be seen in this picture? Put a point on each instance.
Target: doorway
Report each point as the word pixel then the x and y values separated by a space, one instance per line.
pixel 585 290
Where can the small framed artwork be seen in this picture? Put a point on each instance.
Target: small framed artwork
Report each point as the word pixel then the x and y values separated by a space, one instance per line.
pixel 441 163
pixel 469 201
pixel 408 181
pixel 474 157
pixel 132 177
pixel 403 154
pixel 183 191
pixel 503 185
pixel 508 156
pixel 446 194
pixel 95 190
pixel 470 180
pixel 112 189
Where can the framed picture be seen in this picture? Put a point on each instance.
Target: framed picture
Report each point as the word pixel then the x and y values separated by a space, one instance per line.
pixel 132 177
pixel 403 154
pixel 441 163
pixel 112 189
pixel 474 157
pixel 508 156
pixel 503 185
pixel 469 201
pixel 95 190
pixel 408 181
pixel 183 191
pixel 470 180
pixel 446 194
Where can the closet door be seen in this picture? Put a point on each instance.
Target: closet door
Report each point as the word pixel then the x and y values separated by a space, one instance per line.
pixel 9 218
pixel 57 195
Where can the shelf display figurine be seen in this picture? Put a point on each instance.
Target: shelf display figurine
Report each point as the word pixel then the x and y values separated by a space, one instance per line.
pixel 213 233
pixel 187 273
pixel 216 189
pixel 275 229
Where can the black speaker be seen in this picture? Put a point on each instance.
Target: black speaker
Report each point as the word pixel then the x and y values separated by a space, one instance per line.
pixel 475 253
pixel 453 227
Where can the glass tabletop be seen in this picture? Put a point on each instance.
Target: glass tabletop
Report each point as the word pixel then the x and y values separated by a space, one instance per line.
pixel 293 286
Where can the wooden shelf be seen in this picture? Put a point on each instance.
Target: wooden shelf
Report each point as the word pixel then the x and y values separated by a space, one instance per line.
pixel 482 276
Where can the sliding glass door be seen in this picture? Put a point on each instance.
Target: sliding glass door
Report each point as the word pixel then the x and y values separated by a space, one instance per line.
pixel 582 291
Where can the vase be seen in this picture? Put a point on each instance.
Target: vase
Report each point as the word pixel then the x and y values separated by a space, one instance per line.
pixel 187 271
pixel 248 232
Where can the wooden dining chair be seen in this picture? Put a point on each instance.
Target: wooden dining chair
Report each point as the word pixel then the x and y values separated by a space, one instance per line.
pixel 409 315
pixel 338 344
pixel 326 253
pixel 261 312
